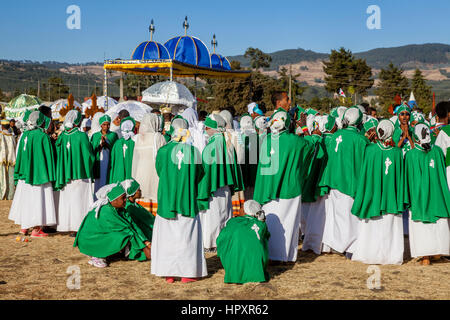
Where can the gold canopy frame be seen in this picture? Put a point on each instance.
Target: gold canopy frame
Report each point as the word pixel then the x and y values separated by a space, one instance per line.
pixel 170 68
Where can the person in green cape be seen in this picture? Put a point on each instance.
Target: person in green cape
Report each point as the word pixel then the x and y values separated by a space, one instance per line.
pixel 370 129
pixel 102 143
pixel 122 152
pixel 314 200
pixel 33 205
pixel 403 131
pixel 345 152
pixel 108 230
pixel 242 246
pixel 283 164
pixel 248 154
pixel 222 178
pixel 443 141
pixel 74 163
pixel 141 216
pixel 428 195
pixel 177 249
pixel 380 202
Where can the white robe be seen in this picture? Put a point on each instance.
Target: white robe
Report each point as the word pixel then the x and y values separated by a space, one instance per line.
pixel 314 224
pixel 74 202
pixel 429 239
pixel 380 240
pixel 283 222
pixel 33 206
pixel 215 218
pixel 177 249
pixel 143 168
pixel 341 226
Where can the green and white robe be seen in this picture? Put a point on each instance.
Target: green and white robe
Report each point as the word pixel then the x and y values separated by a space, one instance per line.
pixel 34 174
pixel 223 177
pixel 379 204
pixel 74 165
pixel 427 193
pixel 242 247
pixel 283 165
pixel 345 152
pixel 177 249
pixel 102 165
pixel 443 142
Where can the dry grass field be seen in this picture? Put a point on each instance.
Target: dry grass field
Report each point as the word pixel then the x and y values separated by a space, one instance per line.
pixel 38 270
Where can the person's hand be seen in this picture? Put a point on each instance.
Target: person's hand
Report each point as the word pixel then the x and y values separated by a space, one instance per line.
pixel 147 249
pixel 372 136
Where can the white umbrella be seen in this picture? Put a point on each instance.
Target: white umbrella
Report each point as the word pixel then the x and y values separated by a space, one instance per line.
pixel 135 108
pixel 169 92
pixel 62 103
pixel 101 103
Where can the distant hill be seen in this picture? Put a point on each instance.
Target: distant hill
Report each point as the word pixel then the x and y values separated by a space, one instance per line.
pixel 410 56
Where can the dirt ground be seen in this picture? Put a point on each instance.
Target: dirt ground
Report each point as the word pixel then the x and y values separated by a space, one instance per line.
pixel 40 269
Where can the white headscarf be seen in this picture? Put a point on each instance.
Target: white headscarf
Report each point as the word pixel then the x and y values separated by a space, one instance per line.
pixel 199 139
pixel 102 198
pixel 226 115
pixel 86 123
pixel 250 107
pixel 70 118
pixel 127 129
pixel 150 123
pixel 385 129
pixel 96 127
pixel 113 127
pixel 254 209
pixel 278 122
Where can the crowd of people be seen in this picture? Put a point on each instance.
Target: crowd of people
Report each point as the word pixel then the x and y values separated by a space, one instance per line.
pixel 171 187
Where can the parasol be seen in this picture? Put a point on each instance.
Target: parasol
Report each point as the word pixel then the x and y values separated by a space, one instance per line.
pixel 60 104
pixel 135 108
pixel 169 92
pixel 101 103
pixel 17 106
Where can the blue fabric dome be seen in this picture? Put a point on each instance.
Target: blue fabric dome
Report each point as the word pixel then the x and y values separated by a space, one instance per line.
pixel 219 62
pixel 149 50
pixel 189 50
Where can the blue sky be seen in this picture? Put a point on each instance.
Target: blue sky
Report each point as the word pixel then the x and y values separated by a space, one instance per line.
pixel 36 30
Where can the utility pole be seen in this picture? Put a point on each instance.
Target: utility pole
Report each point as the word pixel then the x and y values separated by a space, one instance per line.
pixel 290 82
pixel 121 87
pixel 39 89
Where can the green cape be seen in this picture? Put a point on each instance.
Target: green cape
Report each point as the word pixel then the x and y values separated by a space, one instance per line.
pixel 178 179
pixel 96 138
pixel 283 166
pixel 121 160
pixel 379 193
pixel 141 217
pixel 110 233
pixel 75 157
pixel 242 247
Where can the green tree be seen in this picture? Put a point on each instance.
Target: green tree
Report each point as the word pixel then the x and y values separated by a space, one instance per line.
pixel 343 71
pixel 392 82
pixel 422 91
pixel 258 59
pixel 54 89
pixel 235 65
pixel 2 96
pixel 296 88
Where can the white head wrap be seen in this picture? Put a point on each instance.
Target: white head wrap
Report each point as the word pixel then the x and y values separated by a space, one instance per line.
pixel 227 116
pixel 191 117
pixel 385 129
pixel 70 119
pixel 221 124
pixel 33 120
pixel 86 123
pixel 95 125
pixel 422 134
pixel 102 198
pixel 247 125
pixel 250 107
pixel 322 121
pixel 311 123
pixel 261 123
pixel 180 129
pixel 278 122
pixel 352 117
pixel 127 129
pixel 254 209
pixel 150 123
pixel 340 111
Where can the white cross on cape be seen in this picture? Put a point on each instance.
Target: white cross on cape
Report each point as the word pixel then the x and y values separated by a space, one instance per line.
pixel 338 140
pixel 25 143
pixel 432 163
pixel 68 145
pixel 256 228
pixel 125 147
pixel 180 156
pixel 388 162
pixel 272 152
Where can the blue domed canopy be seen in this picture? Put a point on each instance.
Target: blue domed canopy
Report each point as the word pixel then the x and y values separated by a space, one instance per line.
pixel 149 50
pixel 220 62
pixel 190 50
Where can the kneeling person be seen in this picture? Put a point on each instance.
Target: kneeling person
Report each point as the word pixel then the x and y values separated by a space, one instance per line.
pixel 242 246
pixel 106 230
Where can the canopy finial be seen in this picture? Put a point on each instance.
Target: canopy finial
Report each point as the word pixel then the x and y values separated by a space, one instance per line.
pixel 214 43
pixel 185 25
pixel 151 29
